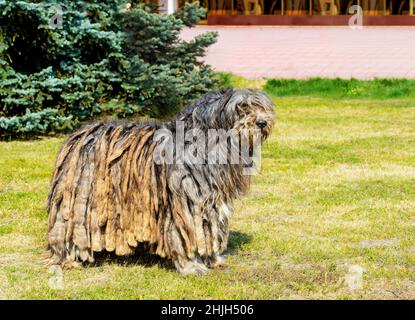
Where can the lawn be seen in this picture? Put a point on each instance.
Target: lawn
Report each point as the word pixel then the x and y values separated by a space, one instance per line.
pixel 336 192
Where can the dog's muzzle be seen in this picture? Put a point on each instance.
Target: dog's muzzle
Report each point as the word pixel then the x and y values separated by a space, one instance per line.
pixel 261 123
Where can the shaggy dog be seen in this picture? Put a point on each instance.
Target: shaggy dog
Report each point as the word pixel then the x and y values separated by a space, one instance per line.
pixel 113 188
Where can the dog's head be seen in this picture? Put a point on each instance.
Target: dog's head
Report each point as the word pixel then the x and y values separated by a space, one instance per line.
pixel 238 110
pixel 251 110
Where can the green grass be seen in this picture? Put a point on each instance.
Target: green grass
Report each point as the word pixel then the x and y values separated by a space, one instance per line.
pixel 340 88
pixel 337 188
pixel 327 88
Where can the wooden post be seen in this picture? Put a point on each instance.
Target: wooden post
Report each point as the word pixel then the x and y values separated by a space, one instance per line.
pixel 384 7
pixel 411 7
pixel 310 11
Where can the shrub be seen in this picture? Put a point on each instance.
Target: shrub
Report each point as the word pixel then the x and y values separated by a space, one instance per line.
pixel 45 121
pixel 98 52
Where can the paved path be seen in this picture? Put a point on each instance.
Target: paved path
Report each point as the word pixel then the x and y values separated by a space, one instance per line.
pixel 301 52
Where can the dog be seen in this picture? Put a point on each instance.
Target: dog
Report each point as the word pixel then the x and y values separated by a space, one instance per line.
pixel 118 186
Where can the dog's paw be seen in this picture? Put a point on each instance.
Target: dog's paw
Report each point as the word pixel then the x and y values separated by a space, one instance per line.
pixel 193 268
pixel 217 262
pixel 69 264
pixel 220 262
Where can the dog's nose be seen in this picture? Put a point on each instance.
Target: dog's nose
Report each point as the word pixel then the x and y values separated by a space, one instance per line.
pixel 261 123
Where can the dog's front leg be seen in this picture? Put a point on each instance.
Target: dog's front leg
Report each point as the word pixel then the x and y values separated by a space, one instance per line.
pixel 189 267
pixel 216 261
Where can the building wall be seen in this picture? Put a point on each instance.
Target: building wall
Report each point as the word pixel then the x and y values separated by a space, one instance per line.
pixel 307 7
pixel 308 12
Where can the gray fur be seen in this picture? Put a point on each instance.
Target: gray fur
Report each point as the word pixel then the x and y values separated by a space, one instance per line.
pixel 107 193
